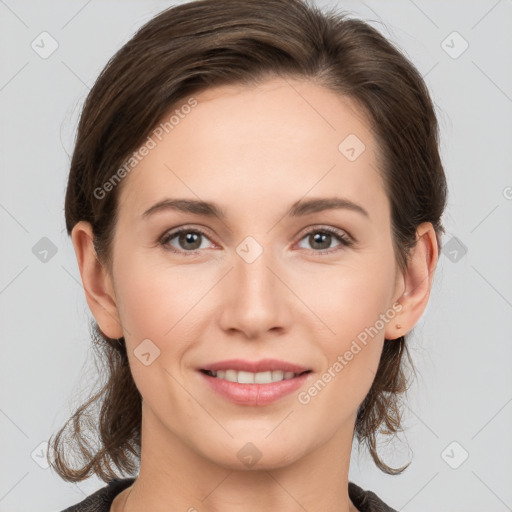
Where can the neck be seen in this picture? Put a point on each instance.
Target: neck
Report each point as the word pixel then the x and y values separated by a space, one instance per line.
pixel 175 476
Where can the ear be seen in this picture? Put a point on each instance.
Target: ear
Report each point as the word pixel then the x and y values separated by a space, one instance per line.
pixel 415 282
pixel 97 282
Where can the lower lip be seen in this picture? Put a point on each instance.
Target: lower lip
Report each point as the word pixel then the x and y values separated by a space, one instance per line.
pixel 255 394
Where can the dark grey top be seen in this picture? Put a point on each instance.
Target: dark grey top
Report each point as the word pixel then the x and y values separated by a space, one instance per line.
pixel 101 500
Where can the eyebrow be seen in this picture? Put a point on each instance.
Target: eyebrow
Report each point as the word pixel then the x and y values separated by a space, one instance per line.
pixel 298 209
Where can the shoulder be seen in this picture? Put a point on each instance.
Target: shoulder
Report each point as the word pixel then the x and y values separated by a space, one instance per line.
pixel 367 501
pixel 102 499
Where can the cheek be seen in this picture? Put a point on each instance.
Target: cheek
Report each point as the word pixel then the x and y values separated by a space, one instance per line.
pixel 155 310
pixel 155 299
pixel 349 299
pixel 159 303
pixel 354 310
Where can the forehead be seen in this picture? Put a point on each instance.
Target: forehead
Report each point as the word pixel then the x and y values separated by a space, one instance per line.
pixel 274 142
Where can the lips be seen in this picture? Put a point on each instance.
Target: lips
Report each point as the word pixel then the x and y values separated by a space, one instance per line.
pixel 254 383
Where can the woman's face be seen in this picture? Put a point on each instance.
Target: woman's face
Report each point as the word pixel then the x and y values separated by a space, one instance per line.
pixel 315 288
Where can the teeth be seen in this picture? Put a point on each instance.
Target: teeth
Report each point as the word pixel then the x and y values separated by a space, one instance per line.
pixel 253 378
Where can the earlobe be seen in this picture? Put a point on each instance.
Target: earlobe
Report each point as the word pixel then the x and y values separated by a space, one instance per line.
pixel 417 282
pixel 96 281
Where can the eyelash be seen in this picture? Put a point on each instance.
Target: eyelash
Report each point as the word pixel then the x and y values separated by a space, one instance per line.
pixel 344 239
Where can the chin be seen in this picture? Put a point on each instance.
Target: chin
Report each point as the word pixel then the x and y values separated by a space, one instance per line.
pixel 255 453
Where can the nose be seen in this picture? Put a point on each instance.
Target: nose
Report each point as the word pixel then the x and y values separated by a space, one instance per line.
pixel 255 301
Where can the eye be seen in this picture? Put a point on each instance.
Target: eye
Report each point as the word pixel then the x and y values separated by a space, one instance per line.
pixel 321 238
pixel 188 239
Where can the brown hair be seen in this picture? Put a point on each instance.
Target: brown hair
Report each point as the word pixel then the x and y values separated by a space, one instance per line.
pixel 193 46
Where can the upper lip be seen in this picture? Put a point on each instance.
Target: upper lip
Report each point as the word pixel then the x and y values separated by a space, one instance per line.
pixel 262 365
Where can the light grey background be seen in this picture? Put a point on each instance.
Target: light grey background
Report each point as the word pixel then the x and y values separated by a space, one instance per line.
pixel 462 345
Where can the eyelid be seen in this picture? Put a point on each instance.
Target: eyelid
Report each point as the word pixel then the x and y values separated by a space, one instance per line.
pixel 329 229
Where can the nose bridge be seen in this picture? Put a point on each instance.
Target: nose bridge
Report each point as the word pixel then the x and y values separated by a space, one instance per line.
pixel 256 298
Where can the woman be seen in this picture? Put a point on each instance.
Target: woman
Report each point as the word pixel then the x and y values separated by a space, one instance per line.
pixel 255 202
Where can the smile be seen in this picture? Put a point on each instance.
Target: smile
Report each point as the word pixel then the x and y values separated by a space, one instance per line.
pixel 254 389
pixel 243 377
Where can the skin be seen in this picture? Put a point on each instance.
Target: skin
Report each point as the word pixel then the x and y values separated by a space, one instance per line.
pixel 254 151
